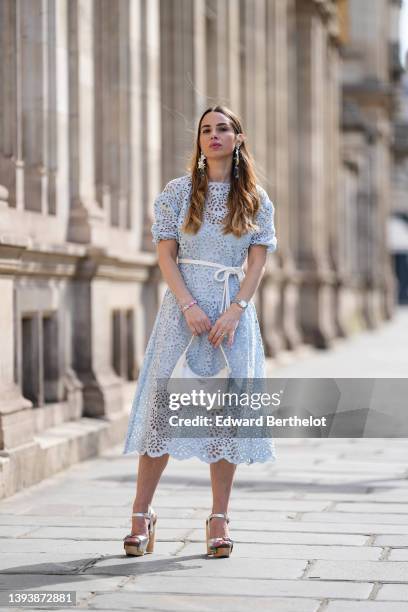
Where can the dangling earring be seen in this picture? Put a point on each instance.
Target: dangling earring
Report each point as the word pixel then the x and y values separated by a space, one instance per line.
pixel 201 164
pixel 236 162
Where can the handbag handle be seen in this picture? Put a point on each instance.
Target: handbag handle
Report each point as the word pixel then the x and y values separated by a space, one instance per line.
pixel 222 350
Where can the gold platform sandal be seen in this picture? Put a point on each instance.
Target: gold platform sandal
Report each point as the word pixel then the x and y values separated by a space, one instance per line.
pixel 218 547
pixel 138 545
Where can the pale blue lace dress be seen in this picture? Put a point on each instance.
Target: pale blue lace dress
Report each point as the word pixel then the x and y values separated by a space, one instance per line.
pixel 170 334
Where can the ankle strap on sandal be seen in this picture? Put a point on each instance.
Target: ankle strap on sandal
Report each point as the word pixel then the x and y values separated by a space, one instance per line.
pixel 219 515
pixel 147 515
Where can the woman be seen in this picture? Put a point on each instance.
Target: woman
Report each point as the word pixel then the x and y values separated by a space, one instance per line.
pixel 215 215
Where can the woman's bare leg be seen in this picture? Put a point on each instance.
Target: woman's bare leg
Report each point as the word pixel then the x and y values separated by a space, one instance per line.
pixel 148 476
pixel 222 475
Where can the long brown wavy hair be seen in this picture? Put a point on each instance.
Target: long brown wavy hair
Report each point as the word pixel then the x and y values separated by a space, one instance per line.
pixel 243 198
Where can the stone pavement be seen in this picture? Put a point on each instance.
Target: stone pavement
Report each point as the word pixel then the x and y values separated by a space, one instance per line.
pixel 380 353
pixel 325 528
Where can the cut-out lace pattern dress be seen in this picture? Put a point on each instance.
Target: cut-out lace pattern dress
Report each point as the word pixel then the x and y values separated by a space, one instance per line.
pixel 171 334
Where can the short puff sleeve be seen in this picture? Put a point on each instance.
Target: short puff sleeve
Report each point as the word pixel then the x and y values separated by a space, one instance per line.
pixel 265 222
pixel 166 209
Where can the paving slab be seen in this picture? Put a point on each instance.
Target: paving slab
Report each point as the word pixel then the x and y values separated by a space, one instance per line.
pixel 391 540
pixel 385 495
pixel 258 502
pixel 372 508
pixel 197 565
pixel 100 533
pixel 295 551
pixel 200 603
pixel 44 563
pixel 74 582
pixel 398 554
pixel 14 531
pixel 364 606
pixel 356 517
pixel 382 571
pixel 290 537
pixel 327 527
pixel 245 587
pixel 393 592
pixel 99 547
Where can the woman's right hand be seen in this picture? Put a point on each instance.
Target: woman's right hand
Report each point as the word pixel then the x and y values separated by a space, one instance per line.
pixel 197 320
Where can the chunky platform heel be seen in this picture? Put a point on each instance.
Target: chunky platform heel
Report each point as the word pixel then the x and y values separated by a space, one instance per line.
pixel 218 547
pixel 138 545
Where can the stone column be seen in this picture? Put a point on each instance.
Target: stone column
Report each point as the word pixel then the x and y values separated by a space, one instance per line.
pixel 370 85
pixel 112 154
pixel 234 55
pixel 316 295
pixel 281 128
pixel 150 128
pixel 51 134
pixel 87 219
pixel 28 105
pixel 348 311
pixel 367 229
pixel 8 98
pixel 374 201
pixel 88 224
pixel 59 153
pixel 385 284
pixel 258 107
pixel 183 80
pixel 102 388
pixel 223 46
pixel 333 200
pixel 33 67
pixel 253 81
pixel 354 194
pixel 36 21
pixel 124 153
pixel 137 209
pixel 16 419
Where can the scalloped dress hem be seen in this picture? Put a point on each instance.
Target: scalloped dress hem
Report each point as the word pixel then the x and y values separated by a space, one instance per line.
pixel 271 458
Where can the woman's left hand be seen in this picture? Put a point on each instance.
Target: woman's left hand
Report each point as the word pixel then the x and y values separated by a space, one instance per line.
pixel 226 324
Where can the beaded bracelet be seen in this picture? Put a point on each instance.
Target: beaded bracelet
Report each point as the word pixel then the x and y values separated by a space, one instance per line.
pixel 186 306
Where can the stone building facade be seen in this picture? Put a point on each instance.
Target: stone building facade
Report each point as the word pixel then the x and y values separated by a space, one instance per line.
pixel 98 108
pixel 398 224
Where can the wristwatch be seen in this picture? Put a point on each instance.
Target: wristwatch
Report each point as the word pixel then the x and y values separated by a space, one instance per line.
pixel 241 303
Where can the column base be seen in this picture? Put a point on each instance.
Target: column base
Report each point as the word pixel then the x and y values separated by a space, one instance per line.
pixel 270 319
pixel 16 418
pixel 349 319
pixel 390 296
pixel 372 307
pixel 290 306
pixel 317 307
pixel 86 223
pixel 4 195
pixel 102 395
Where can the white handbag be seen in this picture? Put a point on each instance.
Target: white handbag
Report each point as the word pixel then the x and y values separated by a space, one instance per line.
pixel 207 383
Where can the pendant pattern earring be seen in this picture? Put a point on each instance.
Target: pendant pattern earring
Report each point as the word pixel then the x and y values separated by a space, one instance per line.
pixel 236 162
pixel 201 163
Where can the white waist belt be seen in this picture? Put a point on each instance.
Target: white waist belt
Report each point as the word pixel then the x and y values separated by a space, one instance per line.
pixel 221 275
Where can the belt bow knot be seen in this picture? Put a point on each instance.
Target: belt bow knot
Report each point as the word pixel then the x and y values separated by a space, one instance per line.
pixel 221 275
